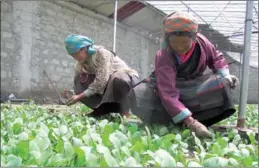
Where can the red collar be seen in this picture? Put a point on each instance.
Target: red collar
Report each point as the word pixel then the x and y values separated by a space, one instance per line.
pixel 186 56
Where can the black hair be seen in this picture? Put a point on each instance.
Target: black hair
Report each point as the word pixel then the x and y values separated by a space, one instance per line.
pixel 180 33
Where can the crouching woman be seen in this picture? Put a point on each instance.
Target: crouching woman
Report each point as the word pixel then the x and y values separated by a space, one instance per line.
pixel 102 80
pixel 178 91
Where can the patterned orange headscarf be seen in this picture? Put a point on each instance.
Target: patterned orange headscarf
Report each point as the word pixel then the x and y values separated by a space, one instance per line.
pixel 179 22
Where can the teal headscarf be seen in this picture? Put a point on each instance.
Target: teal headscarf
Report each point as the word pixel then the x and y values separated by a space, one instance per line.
pixel 75 42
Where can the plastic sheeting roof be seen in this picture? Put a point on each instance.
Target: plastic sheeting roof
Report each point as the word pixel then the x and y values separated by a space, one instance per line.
pixel 227 17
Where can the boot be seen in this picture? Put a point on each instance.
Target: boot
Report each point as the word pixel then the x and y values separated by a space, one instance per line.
pixel 197 127
pixel 125 114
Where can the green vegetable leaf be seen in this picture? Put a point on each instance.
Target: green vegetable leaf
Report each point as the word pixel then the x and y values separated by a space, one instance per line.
pixel 116 154
pixel 102 149
pixel 33 146
pixel 222 142
pixel 62 130
pixel 131 162
pixel 17 128
pixel 95 137
pixel 125 150
pixel 22 149
pixel 44 159
pixel 138 147
pixel 168 138
pixel 87 139
pixel 233 162
pixel 237 139
pixel 163 131
pixel 232 146
pixel 252 137
pixel 77 142
pixel 217 149
pixel 57 160
pixel 109 159
pixel 118 139
pixel 197 140
pixel 68 150
pixel 163 158
pixel 133 128
pixel 179 164
pixel 255 164
pixel 193 164
pixel 13 161
pixel 103 123
pixel 80 157
pixel 178 137
pixel 248 162
pixel 115 141
pixel 92 160
pixel 23 136
pixel 107 130
pixel 215 162
pixel 245 152
pixel 186 133
pixel 3 160
pixel 60 146
pixel 42 142
pixel 87 150
pixel 32 136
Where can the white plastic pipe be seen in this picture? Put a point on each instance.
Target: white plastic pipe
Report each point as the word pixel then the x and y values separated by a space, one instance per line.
pixel 245 65
pixel 115 26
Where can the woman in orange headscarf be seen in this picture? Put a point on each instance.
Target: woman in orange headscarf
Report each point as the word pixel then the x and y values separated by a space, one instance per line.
pixel 177 90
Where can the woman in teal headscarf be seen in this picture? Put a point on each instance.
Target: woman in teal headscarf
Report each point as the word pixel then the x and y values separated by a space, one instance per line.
pixel 102 80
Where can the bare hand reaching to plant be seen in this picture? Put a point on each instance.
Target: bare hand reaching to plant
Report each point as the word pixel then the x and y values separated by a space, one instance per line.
pixel 75 99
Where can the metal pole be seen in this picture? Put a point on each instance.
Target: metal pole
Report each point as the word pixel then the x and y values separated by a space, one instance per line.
pixel 241 63
pixel 115 26
pixel 245 67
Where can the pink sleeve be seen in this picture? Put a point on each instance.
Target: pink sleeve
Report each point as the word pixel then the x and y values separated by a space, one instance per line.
pixel 216 61
pixel 169 94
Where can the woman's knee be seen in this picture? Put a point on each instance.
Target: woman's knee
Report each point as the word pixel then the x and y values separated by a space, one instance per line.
pixel 121 80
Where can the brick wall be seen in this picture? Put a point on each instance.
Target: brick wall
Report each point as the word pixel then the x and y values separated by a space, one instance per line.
pixel 32 40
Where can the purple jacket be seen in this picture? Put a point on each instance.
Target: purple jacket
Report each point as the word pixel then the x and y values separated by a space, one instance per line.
pixel 165 73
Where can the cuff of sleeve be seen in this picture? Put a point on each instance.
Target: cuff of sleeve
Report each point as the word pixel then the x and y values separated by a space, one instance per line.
pixel 181 116
pixel 88 93
pixel 223 72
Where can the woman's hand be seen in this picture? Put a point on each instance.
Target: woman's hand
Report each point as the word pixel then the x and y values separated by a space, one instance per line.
pixel 76 98
pixel 232 80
